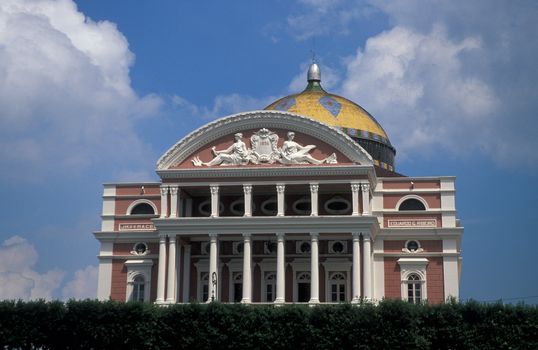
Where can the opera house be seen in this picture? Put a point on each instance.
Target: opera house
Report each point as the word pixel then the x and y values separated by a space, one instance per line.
pixel 297 203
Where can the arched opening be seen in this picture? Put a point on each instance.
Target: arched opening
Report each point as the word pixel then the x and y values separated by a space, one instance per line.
pixel 138 288
pixel 337 287
pixel 414 288
pixel 412 204
pixel 142 209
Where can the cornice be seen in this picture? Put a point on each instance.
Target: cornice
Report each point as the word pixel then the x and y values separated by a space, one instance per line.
pixel 280 171
pixel 262 119
pixel 268 224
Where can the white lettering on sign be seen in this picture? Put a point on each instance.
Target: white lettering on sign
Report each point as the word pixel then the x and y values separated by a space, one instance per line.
pixel 137 227
pixel 413 223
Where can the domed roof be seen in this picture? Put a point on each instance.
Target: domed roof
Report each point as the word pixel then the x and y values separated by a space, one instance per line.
pixel 341 113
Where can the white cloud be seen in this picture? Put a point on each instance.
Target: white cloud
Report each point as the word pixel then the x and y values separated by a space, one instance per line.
pixel 461 78
pixel 416 86
pixel 18 279
pixel 223 105
pixel 84 284
pixel 325 17
pixel 65 90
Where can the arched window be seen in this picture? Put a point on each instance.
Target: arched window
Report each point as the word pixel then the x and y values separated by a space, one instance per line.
pixel 270 285
pixel 204 286
pixel 337 287
pixel 237 287
pixel 303 287
pixel 412 204
pixel 142 209
pixel 414 288
pixel 138 288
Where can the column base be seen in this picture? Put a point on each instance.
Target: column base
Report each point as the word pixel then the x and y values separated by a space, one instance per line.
pixel 160 301
pixel 356 300
pixel 279 301
pixel 246 301
pixel 170 301
pixel 313 301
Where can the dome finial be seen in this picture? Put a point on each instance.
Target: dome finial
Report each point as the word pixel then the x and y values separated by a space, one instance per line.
pixel 314 74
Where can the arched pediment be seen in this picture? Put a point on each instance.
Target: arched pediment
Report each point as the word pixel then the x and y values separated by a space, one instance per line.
pixel 195 148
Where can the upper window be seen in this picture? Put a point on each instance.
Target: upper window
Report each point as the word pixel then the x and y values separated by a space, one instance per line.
pixel 412 204
pixel 142 209
pixel 138 288
pixel 414 289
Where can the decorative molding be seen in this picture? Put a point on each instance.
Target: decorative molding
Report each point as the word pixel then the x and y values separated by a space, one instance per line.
pixel 262 119
pixel 280 188
pixel 247 189
pixel 264 151
pixel 140 201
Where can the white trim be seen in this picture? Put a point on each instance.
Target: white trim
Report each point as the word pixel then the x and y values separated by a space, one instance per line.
pixel 267 265
pixel 136 267
pixel 410 266
pixel 140 201
pixel 204 135
pixel 336 265
pixel 299 265
pixel 235 266
pixel 412 196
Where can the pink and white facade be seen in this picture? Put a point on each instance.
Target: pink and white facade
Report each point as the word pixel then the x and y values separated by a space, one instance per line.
pixel 273 207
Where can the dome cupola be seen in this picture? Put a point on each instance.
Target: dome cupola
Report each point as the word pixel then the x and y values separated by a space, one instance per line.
pixel 314 102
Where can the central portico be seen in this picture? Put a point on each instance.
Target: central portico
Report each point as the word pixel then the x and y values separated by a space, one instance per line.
pixel 290 203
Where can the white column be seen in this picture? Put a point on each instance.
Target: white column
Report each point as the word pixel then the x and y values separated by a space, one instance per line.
pixel 162 269
pixel 173 201
pixel 186 273
pixel 247 270
pixel 280 199
pixel 171 284
pixel 213 267
pixel 367 254
pixel 365 199
pixel 356 268
pixel 247 190
pixel 314 199
pixel 280 270
pixel 314 269
pixel 164 201
pixel 355 188
pixel 214 201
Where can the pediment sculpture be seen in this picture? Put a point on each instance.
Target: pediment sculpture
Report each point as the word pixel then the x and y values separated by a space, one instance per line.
pixel 264 150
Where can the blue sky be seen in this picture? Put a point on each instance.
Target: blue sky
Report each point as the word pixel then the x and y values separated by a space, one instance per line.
pixel 95 91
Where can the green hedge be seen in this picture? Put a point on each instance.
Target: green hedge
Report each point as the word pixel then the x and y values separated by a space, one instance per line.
pixel 389 325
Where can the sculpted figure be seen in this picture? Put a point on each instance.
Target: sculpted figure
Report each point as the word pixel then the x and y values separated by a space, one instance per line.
pixel 294 153
pixel 236 154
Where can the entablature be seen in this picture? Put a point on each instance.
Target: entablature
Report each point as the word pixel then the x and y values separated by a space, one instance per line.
pixel 264 225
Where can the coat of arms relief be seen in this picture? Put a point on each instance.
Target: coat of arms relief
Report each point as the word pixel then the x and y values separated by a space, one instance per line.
pixel 264 150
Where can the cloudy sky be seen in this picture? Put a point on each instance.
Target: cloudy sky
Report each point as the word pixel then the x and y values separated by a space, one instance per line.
pixel 94 91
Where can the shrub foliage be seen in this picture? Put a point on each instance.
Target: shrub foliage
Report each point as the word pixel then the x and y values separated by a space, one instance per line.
pixel 388 325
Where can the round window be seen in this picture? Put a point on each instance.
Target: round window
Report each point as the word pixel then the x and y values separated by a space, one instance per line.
pixel 239 247
pixel 140 248
pixel 338 247
pixel 412 246
pixel 271 247
pixel 305 247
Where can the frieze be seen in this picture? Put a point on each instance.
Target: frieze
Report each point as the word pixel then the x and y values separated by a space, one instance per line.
pixel 264 150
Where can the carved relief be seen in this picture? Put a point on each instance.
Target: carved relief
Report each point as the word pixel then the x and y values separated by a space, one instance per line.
pixel 264 151
pixel 264 147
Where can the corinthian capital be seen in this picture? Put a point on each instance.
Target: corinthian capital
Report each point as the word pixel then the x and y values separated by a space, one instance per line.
pixel 214 189
pixel 164 190
pixel 365 187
